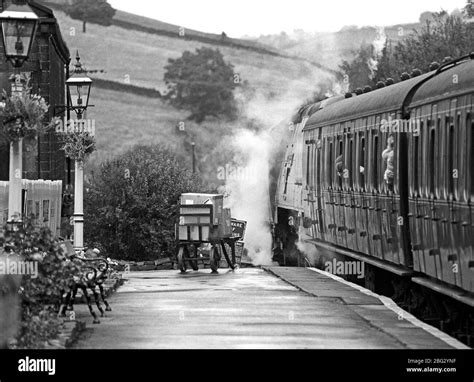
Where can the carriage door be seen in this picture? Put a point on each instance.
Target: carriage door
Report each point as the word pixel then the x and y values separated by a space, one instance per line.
pixel 319 201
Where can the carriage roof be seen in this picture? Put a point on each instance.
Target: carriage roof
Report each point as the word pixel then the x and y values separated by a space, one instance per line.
pixel 453 81
pixel 391 98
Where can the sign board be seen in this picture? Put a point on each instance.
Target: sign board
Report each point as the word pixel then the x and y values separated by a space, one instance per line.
pixel 238 228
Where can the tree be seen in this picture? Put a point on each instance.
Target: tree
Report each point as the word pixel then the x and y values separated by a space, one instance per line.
pixel 203 83
pixel 441 36
pixel 444 36
pixel 358 72
pixel 469 9
pixel 131 206
pixel 427 17
pixel 93 11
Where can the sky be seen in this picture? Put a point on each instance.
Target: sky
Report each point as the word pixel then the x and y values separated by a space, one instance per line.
pixel 257 17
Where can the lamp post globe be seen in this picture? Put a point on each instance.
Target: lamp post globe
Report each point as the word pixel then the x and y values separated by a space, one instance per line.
pixel 79 89
pixel 19 25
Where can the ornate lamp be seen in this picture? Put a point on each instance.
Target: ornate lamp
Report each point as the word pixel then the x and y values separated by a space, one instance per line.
pixel 19 24
pixel 79 89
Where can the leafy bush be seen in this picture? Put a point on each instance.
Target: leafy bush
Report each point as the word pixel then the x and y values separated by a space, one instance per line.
pixel 131 205
pixel 39 293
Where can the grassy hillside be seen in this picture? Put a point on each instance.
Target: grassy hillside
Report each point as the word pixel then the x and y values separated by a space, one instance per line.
pixel 130 57
pixel 134 22
pixel 139 58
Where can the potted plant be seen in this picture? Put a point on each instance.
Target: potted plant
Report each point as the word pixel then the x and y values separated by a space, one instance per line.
pixel 23 115
pixel 78 145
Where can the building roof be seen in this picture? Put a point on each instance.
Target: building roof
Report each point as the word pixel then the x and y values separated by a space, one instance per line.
pixel 46 16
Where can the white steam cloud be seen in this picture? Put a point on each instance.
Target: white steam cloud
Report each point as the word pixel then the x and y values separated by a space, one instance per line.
pixel 378 44
pixel 248 195
pixel 249 198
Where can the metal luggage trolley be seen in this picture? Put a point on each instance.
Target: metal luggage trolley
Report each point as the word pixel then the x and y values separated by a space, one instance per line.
pixel 203 220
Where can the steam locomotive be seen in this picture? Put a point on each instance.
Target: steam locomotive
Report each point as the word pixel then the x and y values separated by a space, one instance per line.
pixel 386 177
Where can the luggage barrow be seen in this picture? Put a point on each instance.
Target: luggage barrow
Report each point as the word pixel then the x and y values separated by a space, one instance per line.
pixel 188 253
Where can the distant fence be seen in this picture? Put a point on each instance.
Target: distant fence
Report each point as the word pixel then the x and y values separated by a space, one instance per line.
pixel 43 201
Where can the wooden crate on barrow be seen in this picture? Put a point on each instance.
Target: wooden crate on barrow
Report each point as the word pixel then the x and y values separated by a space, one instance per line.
pixel 204 232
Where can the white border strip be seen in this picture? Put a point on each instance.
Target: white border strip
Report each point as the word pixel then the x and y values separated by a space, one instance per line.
pixel 390 304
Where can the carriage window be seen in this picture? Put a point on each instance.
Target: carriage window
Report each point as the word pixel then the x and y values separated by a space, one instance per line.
pixel 319 152
pixel 450 156
pixel 471 151
pixel 340 163
pixel 431 163
pixel 375 161
pixel 331 169
pixel 307 165
pixel 361 168
pixel 388 161
pixel 416 167
pixel 351 159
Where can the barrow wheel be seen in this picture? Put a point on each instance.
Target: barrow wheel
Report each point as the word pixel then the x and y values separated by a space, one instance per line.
pixel 194 263
pixel 214 259
pixel 181 262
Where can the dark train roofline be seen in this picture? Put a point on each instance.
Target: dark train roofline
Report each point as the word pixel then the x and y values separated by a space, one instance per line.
pixel 309 110
pixel 378 101
pixel 395 97
pixel 452 81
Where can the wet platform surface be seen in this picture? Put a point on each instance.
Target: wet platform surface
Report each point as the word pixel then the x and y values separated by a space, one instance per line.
pixel 272 308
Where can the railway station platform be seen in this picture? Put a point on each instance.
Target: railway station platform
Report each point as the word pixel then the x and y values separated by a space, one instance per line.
pixel 379 312
pixel 254 308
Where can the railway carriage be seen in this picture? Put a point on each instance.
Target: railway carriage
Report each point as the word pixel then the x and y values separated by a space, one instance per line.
pixel 386 176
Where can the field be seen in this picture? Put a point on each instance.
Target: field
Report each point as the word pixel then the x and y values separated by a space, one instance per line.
pixel 138 58
pixel 105 49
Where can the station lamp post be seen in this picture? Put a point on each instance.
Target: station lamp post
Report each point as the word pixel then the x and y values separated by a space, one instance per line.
pixel 193 146
pixel 19 25
pixel 78 91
